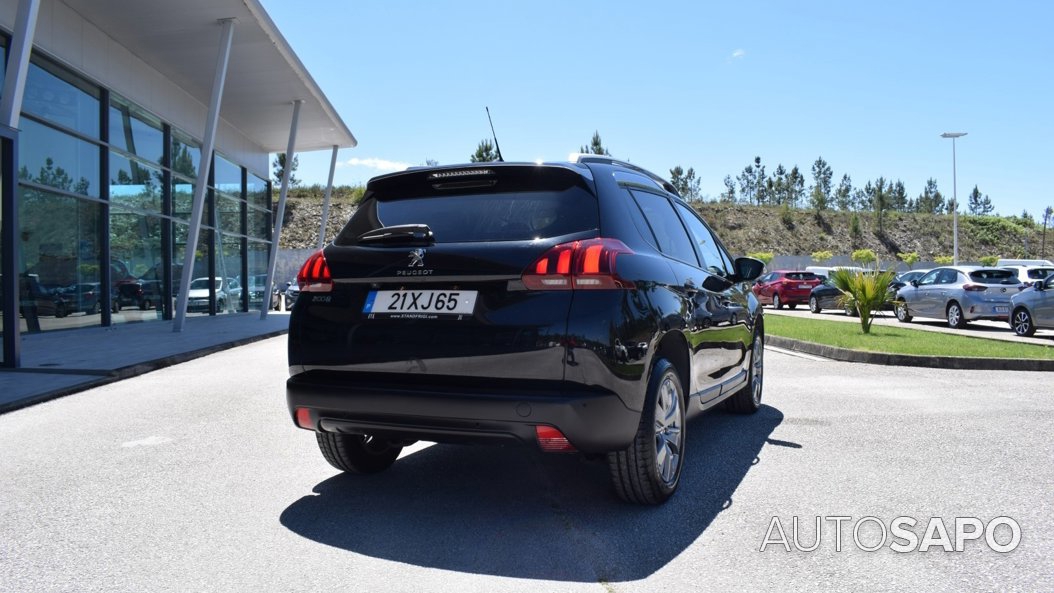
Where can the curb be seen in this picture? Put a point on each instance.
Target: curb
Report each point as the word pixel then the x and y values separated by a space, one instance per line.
pixel 911 360
pixel 135 370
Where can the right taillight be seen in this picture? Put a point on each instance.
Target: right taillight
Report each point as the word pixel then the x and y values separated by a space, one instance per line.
pixel 314 275
pixel 579 265
pixel 975 287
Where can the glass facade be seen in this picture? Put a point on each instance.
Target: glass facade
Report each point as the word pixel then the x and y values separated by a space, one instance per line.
pixel 98 251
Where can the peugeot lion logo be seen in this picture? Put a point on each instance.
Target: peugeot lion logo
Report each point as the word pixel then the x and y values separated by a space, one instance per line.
pixel 417 258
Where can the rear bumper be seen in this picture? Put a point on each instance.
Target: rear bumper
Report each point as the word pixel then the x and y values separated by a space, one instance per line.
pixel 593 421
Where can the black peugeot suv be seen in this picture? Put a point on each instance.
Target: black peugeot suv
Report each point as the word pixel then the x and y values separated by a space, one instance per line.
pixel 573 307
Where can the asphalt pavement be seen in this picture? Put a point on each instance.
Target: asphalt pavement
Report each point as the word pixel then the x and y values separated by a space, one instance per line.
pixel 193 478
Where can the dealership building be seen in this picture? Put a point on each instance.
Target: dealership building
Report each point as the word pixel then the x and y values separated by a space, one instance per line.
pixel 130 130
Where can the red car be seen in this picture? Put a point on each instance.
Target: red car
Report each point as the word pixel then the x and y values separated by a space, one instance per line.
pixel 785 287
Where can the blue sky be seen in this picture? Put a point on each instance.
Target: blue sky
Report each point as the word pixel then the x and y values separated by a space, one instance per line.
pixel 867 86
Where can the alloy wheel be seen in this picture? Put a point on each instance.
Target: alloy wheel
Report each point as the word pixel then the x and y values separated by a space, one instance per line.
pixel 1023 323
pixel 758 363
pixel 669 421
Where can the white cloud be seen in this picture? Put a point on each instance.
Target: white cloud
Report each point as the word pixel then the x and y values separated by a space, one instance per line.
pixel 739 53
pixel 378 164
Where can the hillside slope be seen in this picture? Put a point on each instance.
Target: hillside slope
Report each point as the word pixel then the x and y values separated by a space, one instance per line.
pixel 749 229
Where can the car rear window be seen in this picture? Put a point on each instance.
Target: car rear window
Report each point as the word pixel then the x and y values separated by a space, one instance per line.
pixel 801 276
pixel 994 277
pixel 504 216
pixel 1039 273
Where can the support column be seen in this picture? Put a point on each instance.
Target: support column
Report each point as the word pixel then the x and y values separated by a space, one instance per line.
pixel 10 107
pixel 18 62
pixel 208 144
pixel 277 233
pixel 325 201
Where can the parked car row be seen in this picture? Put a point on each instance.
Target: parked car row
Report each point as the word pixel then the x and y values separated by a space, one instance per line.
pixel 1019 295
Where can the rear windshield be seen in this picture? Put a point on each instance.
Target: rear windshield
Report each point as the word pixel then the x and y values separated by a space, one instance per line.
pixel 506 216
pixel 801 276
pixel 994 277
pixel 1039 273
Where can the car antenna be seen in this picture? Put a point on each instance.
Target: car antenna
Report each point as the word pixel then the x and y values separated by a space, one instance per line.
pixel 496 147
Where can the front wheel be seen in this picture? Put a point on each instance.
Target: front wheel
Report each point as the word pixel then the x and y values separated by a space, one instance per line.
pixel 955 316
pixel 356 453
pixel 748 399
pixel 1022 323
pixel 814 305
pixel 649 470
pixel 776 302
pixel 902 313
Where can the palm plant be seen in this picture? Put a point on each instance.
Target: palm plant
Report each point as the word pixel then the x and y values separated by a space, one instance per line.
pixel 865 291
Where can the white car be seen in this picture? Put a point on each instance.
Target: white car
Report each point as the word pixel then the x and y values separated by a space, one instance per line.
pixel 227 291
pixel 1030 274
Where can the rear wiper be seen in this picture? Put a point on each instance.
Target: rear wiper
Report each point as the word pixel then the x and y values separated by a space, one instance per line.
pixel 403 234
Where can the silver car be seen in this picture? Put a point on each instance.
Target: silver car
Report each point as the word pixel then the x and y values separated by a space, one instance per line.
pixel 1033 308
pixel 959 294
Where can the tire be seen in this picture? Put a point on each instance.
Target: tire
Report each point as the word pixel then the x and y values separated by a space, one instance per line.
pixel 814 305
pixel 776 303
pixel 792 305
pixel 955 315
pixel 748 399
pixel 649 470
pixel 850 311
pixel 356 453
pixel 146 304
pixel 902 313
pixel 96 308
pixel 60 310
pixel 1021 322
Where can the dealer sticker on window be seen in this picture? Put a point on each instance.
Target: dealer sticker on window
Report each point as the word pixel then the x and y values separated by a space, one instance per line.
pixel 423 304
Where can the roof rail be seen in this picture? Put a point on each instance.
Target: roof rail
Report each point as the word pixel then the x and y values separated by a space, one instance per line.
pixel 607 160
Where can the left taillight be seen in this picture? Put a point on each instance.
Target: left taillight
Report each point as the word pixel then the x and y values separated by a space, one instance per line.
pixel 974 287
pixel 314 275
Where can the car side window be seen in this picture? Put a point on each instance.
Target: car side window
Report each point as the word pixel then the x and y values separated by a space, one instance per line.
pixel 930 278
pixel 948 277
pixel 669 232
pixel 714 259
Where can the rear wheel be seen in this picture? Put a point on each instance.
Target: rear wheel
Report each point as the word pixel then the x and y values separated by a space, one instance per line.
pixel 776 302
pixel 748 399
pixel 356 453
pixel 814 305
pixel 1022 323
pixel 96 308
pixel 792 305
pixel 955 316
pixel 902 313
pixel 850 311
pixel 648 471
pixel 60 310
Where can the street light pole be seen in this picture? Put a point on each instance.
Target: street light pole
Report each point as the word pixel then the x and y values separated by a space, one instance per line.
pixel 955 198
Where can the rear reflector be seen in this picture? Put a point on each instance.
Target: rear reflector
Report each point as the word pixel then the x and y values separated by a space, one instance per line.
pixel 552 440
pixel 314 274
pixel 579 265
pixel 303 419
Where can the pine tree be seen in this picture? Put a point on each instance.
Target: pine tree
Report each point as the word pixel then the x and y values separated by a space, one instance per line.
pixel 484 153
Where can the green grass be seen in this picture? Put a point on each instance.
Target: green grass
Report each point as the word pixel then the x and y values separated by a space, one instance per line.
pixel 899 340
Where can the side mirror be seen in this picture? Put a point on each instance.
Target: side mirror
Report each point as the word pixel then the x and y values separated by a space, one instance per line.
pixel 748 268
pixel 1039 285
pixel 915 283
pixel 715 283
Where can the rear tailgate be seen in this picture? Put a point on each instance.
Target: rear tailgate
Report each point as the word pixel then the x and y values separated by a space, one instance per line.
pixel 451 307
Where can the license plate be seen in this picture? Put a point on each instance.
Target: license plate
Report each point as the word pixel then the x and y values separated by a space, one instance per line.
pixel 420 302
pixel 1002 309
pixel 804 286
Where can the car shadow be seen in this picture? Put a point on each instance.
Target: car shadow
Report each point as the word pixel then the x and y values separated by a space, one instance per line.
pixel 515 513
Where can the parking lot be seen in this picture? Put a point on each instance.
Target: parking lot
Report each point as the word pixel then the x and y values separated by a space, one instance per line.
pixel 193 478
pixel 995 330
